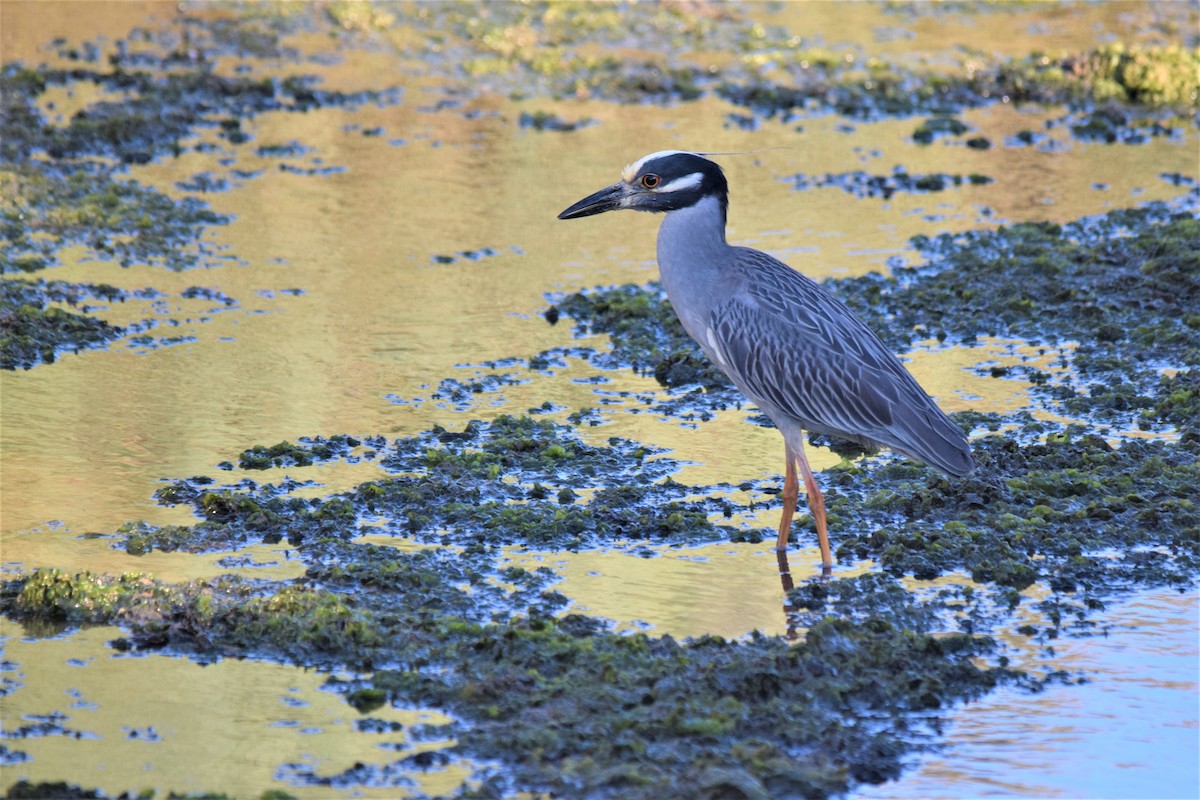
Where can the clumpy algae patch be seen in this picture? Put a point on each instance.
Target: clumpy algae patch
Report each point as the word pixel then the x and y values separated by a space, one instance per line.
pixel 704 715
pixel 1035 511
pixel 36 328
pixel 68 181
pixel 514 480
pixel 454 628
pixel 407 595
pixel 458 629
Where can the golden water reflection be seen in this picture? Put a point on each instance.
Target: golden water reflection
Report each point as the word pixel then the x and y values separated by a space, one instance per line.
pixel 164 723
pixel 724 589
pixel 86 441
pixel 378 318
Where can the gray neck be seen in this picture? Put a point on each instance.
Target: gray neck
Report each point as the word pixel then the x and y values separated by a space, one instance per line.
pixel 691 255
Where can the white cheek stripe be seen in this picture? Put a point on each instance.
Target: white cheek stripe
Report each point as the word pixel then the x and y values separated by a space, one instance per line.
pixel 679 184
pixel 630 172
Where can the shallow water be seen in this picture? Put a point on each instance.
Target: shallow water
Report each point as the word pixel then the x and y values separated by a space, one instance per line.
pixel 1104 739
pixel 272 721
pixel 378 321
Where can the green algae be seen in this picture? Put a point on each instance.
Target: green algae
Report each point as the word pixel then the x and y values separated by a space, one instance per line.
pixel 305 453
pixel 513 480
pixel 936 127
pixel 1033 511
pixel 1139 75
pixel 549 49
pixel 535 448
pixel 34 332
pixel 1178 402
pixel 639 715
pixel 231 520
pixel 560 50
pixel 45 211
pixel 62 182
pixel 784 718
pixel 873 594
pixel 696 719
pixel 862 184
pixel 161 109
pixel 461 634
pixel 548 121
pixel 40 320
pixel 1122 286
pixel 60 790
pixel 1151 78
pixel 294 621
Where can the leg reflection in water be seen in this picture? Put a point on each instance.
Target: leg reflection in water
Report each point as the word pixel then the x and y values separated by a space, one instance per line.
pixel 789 610
pixel 785 580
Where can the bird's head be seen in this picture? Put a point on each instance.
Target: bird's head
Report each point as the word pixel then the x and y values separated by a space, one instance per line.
pixel 665 181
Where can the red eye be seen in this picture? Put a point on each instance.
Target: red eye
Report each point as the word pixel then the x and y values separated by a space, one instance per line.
pixel 651 181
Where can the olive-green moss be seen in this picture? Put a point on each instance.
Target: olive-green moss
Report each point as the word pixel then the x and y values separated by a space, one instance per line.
pixel 1150 77
pixel 60 790
pixel 1033 511
pixel 34 332
pixel 45 210
pixel 303 454
pixel 566 706
pixel 514 480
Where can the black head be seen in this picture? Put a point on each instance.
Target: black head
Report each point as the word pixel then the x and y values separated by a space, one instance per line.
pixel 665 181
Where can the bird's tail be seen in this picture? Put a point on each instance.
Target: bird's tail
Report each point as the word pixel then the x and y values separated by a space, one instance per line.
pixel 937 441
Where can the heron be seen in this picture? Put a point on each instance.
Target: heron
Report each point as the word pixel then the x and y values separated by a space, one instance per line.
pixel 797 352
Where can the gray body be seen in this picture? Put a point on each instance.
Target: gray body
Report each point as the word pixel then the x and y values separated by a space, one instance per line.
pixel 786 343
pixel 795 350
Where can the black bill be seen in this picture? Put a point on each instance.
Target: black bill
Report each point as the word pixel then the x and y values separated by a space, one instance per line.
pixel 607 199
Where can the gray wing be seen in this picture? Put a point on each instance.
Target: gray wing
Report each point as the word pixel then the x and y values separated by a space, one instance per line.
pixel 788 343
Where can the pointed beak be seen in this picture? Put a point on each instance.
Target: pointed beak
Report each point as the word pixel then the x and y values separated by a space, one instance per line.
pixel 607 199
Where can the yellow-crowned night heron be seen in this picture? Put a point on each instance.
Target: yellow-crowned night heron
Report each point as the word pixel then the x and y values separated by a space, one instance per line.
pixel 798 353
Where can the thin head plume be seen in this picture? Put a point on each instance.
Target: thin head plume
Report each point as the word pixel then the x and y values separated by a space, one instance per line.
pixel 745 152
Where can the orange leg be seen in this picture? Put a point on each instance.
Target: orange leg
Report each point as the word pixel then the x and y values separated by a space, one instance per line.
pixel 816 504
pixel 791 493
